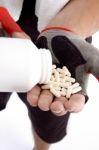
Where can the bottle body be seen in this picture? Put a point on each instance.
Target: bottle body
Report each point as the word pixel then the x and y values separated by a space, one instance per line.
pixel 22 65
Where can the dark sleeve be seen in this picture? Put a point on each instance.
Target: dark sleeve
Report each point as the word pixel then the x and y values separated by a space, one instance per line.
pixel 28 19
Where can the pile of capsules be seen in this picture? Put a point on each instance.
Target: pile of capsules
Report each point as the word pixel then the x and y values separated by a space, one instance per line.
pixel 61 83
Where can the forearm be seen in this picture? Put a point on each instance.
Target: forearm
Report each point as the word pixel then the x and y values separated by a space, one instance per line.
pixel 82 17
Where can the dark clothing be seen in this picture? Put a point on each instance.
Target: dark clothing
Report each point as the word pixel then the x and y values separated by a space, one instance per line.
pixel 48 126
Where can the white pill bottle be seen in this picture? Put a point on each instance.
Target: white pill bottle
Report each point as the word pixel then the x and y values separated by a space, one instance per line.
pixel 22 65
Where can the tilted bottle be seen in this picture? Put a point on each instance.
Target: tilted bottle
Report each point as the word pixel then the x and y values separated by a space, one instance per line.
pixel 22 65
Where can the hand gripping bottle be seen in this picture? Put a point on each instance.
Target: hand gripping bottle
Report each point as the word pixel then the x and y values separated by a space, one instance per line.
pixel 23 65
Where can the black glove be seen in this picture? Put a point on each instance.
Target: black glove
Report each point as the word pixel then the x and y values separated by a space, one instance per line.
pixel 73 52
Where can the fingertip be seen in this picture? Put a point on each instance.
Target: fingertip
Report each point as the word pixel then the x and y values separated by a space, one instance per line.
pixel 45 100
pixel 43 106
pixel 57 108
pixel 68 106
pixel 32 100
pixel 33 96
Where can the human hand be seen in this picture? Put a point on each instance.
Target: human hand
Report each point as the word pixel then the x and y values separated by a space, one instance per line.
pixel 69 50
pixel 10 26
pixel 45 100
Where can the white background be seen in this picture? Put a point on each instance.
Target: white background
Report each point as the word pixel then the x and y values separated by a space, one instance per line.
pixel 83 129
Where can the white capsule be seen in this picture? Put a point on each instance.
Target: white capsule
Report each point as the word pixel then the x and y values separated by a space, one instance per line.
pixel 56 75
pixel 65 68
pixel 62 76
pixel 63 93
pixel 46 87
pixel 69 79
pixel 62 80
pixel 77 89
pixel 65 85
pixel 61 71
pixel 53 66
pixel 57 88
pixel 53 71
pixel 55 93
pixel 63 89
pixel 69 92
pixel 52 78
pixel 67 71
pixel 75 85
pixel 58 69
pixel 53 83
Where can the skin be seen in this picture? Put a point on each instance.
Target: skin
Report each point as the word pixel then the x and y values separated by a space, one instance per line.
pixel 44 100
pixel 82 17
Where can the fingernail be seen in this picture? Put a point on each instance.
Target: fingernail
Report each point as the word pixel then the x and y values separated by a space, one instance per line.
pixel 32 99
pixel 58 111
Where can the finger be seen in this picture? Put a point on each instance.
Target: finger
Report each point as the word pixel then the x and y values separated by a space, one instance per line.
pixel 75 103
pixel 57 107
pixel 45 100
pixel 33 96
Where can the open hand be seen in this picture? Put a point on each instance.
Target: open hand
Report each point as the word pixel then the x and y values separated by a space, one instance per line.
pixel 45 100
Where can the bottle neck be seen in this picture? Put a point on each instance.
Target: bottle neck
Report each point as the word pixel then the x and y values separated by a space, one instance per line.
pixel 46 66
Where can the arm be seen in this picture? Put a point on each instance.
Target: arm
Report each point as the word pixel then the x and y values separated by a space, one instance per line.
pixel 82 18
pixel 9 25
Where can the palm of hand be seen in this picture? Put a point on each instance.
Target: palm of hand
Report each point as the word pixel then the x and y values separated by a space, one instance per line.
pixel 45 100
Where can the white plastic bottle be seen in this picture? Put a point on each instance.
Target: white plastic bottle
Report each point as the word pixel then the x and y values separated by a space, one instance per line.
pixel 22 65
